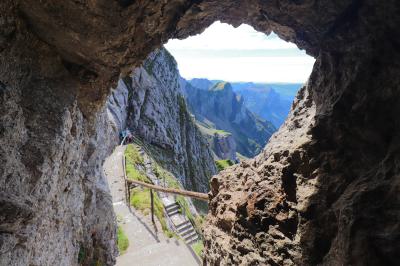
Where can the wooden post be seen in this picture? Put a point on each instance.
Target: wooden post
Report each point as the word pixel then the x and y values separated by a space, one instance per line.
pixel 127 184
pixel 152 205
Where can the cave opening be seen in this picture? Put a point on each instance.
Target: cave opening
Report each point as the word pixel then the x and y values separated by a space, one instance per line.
pixel 337 153
pixel 239 85
pixel 198 106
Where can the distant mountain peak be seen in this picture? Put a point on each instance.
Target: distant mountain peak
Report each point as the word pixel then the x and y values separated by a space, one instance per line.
pixel 222 85
pixel 201 83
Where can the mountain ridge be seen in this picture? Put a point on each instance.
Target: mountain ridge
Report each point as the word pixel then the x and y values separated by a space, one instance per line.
pixel 270 101
pixel 221 108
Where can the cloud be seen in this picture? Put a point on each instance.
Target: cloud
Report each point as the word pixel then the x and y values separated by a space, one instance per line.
pixel 240 54
pixel 276 69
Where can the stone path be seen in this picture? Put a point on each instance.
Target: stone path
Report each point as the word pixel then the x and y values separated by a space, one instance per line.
pixel 147 245
pixel 182 225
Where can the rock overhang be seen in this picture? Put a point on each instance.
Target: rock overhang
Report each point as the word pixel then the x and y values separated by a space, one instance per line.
pixel 323 151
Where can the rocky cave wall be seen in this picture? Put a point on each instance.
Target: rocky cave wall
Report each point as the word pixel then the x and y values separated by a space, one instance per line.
pixel 324 191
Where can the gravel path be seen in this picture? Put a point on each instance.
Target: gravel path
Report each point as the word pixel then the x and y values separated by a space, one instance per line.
pixel 147 245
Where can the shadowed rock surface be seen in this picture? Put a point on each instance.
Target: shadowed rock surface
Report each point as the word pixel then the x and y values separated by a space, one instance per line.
pixel 324 191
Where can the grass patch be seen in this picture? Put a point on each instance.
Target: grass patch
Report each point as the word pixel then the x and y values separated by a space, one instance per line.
pixel 223 164
pixel 162 174
pixel 209 129
pixel 133 173
pixel 132 155
pixel 140 199
pixel 185 207
pixel 133 160
pixel 198 220
pixel 198 248
pixel 222 132
pixel 123 242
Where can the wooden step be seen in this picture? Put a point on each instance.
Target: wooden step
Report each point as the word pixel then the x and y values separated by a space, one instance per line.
pixel 193 240
pixel 171 205
pixel 173 212
pixel 181 229
pixel 173 208
pixel 190 236
pixel 188 231
pixel 179 226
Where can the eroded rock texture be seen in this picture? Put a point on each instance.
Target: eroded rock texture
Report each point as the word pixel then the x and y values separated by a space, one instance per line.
pixel 325 190
pixel 55 206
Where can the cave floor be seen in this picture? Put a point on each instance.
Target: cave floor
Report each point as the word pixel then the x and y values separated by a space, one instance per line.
pixel 148 245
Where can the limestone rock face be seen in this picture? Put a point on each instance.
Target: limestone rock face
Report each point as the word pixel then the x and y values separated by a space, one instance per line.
pixel 219 107
pixel 324 191
pixel 54 198
pixel 224 146
pixel 250 222
pixel 150 103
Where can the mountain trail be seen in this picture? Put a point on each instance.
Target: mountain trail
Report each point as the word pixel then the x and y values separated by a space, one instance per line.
pixel 147 245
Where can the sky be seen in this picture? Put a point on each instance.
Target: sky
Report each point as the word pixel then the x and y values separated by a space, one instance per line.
pixel 226 53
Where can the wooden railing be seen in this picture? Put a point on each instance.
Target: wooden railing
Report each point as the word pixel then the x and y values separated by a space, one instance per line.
pixel 186 193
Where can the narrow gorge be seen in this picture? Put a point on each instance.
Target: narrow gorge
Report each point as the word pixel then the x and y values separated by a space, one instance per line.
pixel 325 190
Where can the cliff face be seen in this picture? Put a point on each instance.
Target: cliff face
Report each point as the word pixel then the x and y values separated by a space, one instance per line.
pixel 325 191
pixel 225 110
pixel 55 206
pixel 270 101
pixel 224 146
pixel 151 104
pixel 318 194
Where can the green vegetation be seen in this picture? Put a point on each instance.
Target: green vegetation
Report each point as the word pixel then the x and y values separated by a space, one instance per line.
pixel 198 248
pixel 198 220
pixel 132 155
pixel 84 259
pixel 223 164
pixel 122 240
pixel 140 199
pixel 209 129
pixel 133 159
pixel 183 113
pixel 81 254
pixel 181 200
pixel 161 174
pixel 134 174
pixel 221 132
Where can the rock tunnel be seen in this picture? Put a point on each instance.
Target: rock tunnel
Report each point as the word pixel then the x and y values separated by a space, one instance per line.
pixel 325 190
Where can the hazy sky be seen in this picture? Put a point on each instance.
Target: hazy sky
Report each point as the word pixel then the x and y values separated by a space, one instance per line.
pixel 240 54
